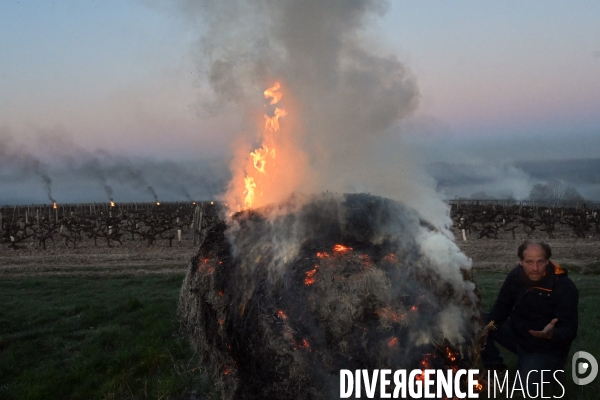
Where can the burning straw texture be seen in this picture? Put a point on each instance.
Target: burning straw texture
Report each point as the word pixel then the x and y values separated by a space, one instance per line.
pixel 277 302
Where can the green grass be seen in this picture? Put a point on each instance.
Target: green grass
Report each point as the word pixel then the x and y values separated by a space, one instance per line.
pixel 91 269
pixel 117 337
pixel 588 337
pixel 94 338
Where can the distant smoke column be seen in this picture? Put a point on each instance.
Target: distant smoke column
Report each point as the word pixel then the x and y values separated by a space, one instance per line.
pixel 48 182
pixel 37 169
pixel 124 172
pixel 109 191
pixel 151 190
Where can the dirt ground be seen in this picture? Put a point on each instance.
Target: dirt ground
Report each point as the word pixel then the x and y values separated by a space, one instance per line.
pixel 132 258
pixel 135 257
pixel 500 254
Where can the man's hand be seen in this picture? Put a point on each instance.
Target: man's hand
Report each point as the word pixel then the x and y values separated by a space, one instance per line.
pixel 547 332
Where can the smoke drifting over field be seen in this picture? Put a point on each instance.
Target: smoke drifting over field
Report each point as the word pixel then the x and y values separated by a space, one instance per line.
pixel 21 163
pixel 514 180
pixel 75 174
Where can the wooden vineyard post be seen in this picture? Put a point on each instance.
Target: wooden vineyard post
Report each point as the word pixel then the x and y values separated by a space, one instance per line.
pixel 194 226
pixel 520 207
pixel 197 223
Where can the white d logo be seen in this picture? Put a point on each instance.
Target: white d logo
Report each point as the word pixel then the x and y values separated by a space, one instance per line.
pixel 583 367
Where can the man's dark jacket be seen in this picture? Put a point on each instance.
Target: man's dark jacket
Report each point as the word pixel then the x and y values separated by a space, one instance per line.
pixel 532 305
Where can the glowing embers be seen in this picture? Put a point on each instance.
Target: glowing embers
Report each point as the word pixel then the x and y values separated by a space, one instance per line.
pixel 391 258
pixel 425 364
pixel 389 316
pixel 205 265
pixel 341 249
pixel 323 254
pixel 310 276
pixel 450 355
pixel 304 345
pixel 338 249
pixel 282 315
pixel 298 333
pixel 288 334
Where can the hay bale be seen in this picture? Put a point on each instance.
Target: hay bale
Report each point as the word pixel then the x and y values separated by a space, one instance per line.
pixel 277 302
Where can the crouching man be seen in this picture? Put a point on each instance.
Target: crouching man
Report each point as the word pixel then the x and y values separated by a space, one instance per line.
pixel 535 315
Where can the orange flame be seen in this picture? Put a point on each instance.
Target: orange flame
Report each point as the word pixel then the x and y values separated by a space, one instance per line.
pixel 273 93
pixel 393 342
pixel 54 205
pixel 273 170
pixel 272 123
pixel 112 203
pixel 254 177
pixel 259 158
pixel 322 254
pixel 249 192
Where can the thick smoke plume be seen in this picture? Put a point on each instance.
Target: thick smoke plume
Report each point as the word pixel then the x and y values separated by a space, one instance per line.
pixel 267 287
pixel 341 92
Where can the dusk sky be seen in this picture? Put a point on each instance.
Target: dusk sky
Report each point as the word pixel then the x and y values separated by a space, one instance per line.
pixel 500 84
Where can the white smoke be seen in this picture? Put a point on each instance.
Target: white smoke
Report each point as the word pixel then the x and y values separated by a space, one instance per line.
pixel 343 97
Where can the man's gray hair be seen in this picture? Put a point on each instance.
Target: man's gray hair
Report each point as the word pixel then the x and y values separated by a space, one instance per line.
pixel 528 243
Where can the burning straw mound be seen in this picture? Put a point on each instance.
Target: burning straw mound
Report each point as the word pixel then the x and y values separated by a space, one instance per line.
pixel 276 305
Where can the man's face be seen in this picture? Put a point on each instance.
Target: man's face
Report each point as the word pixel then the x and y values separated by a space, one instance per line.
pixel 534 262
